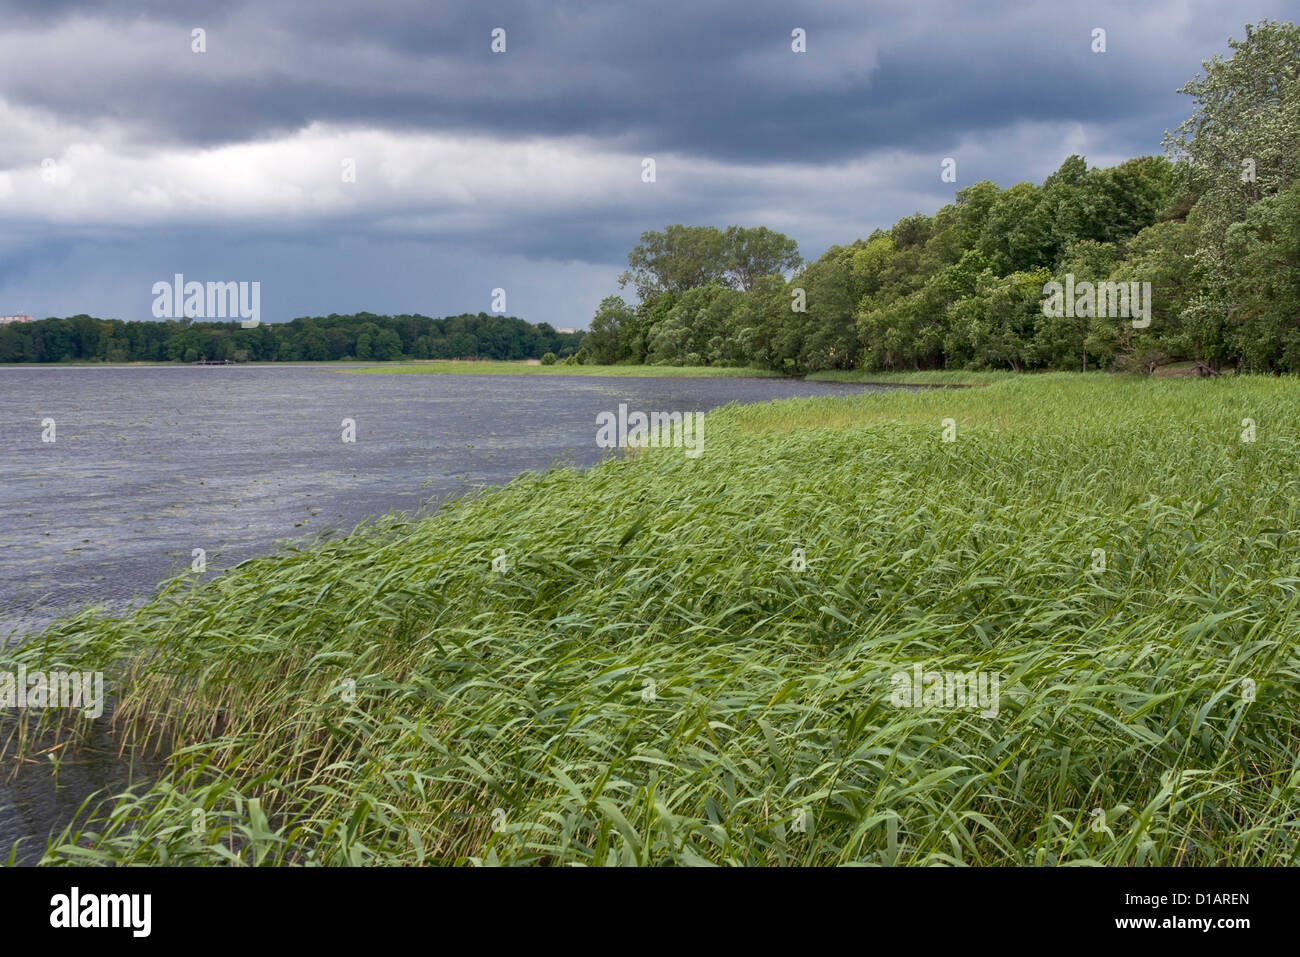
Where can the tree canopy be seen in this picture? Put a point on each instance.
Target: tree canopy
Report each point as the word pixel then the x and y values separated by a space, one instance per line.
pixel 1213 228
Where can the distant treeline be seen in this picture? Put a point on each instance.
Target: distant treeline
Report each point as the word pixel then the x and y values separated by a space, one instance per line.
pixel 1214 230
pixel 317 338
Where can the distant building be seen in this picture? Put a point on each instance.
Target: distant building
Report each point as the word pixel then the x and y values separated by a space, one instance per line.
pixel 5 320
pixel 564 331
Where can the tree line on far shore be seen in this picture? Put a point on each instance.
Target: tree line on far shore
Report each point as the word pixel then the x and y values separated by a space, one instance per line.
pixel 363 336
pixel 1214 229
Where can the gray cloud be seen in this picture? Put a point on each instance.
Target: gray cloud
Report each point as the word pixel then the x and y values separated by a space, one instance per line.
pixel 743 129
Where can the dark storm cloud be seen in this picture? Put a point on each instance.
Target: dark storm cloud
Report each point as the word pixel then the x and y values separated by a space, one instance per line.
pixel 709 79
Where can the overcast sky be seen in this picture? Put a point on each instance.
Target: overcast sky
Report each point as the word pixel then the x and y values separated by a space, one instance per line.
pixel 126 157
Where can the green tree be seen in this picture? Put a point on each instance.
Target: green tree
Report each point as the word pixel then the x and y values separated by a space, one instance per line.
pixel 315 347
pixel 698 329
pixel 759 320
pixel 999 320
pixel 635 338
pixel 1063 342
pixel 829 337
pixel 754 253
pixel 1265 288
pixel 387 346
pixel 677 259
pixel 1237 149
pixel 609 330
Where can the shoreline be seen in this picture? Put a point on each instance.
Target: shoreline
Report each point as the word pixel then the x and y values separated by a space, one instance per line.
pixel 534 367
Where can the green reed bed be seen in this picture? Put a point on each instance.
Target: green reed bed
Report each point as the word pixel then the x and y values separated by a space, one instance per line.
pixel 651 680
pixel 929 377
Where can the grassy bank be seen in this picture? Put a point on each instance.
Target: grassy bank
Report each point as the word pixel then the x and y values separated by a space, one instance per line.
pixel 451 367
pixel 653 677
pixel 956 377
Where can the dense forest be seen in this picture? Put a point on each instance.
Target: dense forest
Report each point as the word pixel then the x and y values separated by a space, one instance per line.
pixel 1214 228
pixel 320 338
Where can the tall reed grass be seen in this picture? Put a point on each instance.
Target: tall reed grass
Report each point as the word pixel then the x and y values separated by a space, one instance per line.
pixel 652 681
